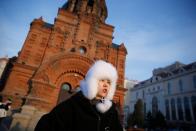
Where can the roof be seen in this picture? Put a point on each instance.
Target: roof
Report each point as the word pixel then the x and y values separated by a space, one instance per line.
pixel 115 46
pixel 170 72
pixel 48 25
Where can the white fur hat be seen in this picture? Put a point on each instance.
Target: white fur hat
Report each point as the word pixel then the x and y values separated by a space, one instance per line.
pixel 100 70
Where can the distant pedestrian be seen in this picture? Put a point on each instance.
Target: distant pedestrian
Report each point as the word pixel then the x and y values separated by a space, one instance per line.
pixel 3 112
pixel 4 108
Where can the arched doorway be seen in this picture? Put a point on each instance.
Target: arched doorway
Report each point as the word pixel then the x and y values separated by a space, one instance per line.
pixel 66 69
pixel 65 92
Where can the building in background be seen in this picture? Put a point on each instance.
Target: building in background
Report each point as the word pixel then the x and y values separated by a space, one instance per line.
pixel 128 84
pixel 171 90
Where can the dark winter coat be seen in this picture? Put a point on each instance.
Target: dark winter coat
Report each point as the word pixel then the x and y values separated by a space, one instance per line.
pixel 78 114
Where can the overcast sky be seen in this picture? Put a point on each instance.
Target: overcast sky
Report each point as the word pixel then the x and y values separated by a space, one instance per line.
pixel 156 33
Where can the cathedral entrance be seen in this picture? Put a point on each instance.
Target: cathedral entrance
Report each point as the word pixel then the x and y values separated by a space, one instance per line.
pixel 65 92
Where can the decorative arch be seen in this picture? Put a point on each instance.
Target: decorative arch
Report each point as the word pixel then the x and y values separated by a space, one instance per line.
pixel 59 65
pixel 47 82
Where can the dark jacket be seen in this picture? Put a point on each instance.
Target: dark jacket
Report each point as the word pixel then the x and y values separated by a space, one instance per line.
pixel 78 114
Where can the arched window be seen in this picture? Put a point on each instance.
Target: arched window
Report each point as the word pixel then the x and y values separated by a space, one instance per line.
pixel 179 107
pixel 173 109
pixel 82 50
pixel 154 105
pixel 66 87
pixel 193 103
pixel 167 109
pixel 187 109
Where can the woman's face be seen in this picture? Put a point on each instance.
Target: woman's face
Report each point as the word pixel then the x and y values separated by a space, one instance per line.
pixel 103 88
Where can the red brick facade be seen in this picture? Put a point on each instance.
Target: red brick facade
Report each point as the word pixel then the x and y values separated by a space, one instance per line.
pixel 54 54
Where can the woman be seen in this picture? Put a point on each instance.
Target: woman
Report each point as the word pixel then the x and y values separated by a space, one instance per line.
pixel 91 109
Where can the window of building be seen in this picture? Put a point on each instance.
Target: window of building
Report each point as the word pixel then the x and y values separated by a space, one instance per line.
pixel 193 103
pixel 143 93
pixel 169 88
pixel 76 7
pixel 65 87
pixel 137 94
pixel 73 50
pixel 82 50
pixel 167 109
pixel 144 109
pixel 158 88
pixel 179 107
pixel 187 109
pixel 194 81
pixel 173 109
pixel 180 85
pixel 154 105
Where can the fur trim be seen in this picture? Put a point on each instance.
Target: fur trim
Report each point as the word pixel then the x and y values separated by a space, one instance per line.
pixel 100 70
pixel 104 106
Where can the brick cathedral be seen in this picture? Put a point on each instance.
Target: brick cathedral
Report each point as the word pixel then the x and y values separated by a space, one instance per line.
pixel 55 57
